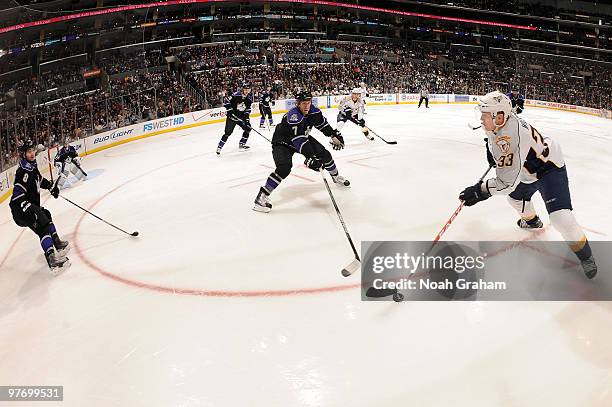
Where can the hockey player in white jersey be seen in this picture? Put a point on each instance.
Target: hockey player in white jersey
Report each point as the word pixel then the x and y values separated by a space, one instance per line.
pixel 352 109
pixel 363 90
pixel 527 161
pixel 67 161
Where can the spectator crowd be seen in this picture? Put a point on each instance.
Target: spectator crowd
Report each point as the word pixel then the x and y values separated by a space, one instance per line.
pixel 204 75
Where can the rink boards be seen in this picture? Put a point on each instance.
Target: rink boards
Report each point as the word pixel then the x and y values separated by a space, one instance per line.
pixel 109 139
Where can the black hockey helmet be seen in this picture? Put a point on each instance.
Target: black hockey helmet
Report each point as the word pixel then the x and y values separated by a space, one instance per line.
pixel 246 85
pixel 303 96
pixel 25 146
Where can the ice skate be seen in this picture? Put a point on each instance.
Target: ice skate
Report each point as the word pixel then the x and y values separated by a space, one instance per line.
pixel 366 133
pixel 534 223
pixel 62 246
pixel 262 202
pixel 57 264
pixel 589 267
pixel 340 180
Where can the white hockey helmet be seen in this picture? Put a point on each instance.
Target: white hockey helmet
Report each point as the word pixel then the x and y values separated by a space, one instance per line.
pixel 356 91
pixel 493 103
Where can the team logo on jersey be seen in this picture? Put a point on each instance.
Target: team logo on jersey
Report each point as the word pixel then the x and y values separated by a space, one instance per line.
pixel 293 117
pixel 503 142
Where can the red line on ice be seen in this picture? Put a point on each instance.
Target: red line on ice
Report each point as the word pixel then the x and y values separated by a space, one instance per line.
pixel 189 291
pixel 10 250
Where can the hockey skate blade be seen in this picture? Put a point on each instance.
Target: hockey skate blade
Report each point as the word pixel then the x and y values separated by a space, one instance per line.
pixel 56 271
pixel 262 209
pixel 63 252
pixel 351 268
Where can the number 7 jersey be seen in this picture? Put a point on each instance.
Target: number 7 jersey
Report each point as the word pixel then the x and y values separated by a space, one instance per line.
pixel 522 154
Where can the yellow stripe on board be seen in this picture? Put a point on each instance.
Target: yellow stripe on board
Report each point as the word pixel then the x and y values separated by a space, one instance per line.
pixel 564 110
pixel 5 196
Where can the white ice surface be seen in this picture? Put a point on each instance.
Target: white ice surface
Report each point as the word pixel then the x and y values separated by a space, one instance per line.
pixel 217 305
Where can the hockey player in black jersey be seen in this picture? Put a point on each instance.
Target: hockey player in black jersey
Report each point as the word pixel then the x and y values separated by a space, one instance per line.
pixel 67 161
pixel 293 135
pixel 518 101
pixel 27 212
pixel 265 100
pixel 238 109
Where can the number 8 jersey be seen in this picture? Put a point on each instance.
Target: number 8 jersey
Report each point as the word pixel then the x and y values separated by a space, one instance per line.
pixel 522 154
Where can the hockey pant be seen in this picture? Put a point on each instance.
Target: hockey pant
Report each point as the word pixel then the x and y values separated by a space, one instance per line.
pixel 230 125
pixel 266 111
pixel 554 189
pixel 283 159
pixel 39 220
pixel 343 117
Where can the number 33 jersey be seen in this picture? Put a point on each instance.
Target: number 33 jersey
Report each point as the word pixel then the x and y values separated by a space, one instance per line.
pixel 522 154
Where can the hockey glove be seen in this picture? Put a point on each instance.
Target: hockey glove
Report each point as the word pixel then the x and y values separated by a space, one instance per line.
pixel 26 207
pixel 474 194
pixel 313 163
pixel 361 122
pixel 490 157
pixel 337 140
pixel 232 116
pixel 54 189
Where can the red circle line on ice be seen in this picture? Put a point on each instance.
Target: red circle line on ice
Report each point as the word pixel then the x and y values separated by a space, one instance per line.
pixel 189 291
pixel 203 292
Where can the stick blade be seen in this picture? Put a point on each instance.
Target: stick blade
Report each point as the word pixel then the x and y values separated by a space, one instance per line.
pixel 351 268
pixel 391 142
pixel 384 292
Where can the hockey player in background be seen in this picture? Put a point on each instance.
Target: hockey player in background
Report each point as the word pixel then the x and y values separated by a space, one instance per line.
pixel 424 96
pixel 27 212
pixel 364 92
pixel 352 109
pixel 292 135
pixel 526 162
pixel 67 161
pixel 238 110
pixel 518 101
pixel 265 100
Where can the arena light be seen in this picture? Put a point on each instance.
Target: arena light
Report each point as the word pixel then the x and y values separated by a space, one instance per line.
pixel 118 9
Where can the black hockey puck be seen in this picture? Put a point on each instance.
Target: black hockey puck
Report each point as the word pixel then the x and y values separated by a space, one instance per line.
pixel 398 297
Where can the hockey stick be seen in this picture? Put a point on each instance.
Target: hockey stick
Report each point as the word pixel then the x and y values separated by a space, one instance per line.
pixel 398 297
pixel 471 126
pixel 373 132
pixel 388 142
pixel 99 218
pixel 79 167
pixel 454 215
pixel 267 139
pixel 356 263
